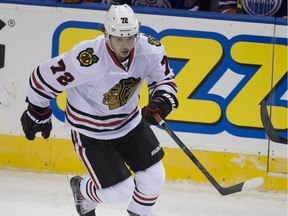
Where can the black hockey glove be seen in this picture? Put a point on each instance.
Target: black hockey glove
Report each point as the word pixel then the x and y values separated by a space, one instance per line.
pixel 36 119
pixel 162 104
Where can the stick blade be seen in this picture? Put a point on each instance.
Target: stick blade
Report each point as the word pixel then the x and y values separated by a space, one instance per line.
pixel 252 183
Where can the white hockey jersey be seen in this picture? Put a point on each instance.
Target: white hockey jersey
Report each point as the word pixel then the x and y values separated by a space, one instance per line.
pixel 102 93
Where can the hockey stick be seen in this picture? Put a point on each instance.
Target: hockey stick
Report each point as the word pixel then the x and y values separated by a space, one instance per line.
pixel 246 185
pixel 268 126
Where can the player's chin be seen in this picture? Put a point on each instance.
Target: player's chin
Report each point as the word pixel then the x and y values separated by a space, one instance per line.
pixel 125 53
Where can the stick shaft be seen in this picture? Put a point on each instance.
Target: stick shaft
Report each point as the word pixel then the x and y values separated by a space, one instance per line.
pixel 246 185
pixel 187 152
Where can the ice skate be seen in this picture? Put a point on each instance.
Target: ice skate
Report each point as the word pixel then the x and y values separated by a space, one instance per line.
pixel 84 207
pixel 133 214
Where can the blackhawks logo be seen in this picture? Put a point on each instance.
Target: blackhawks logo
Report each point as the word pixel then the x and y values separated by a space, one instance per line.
pixel 86 57
pixel 120 93
pixel 153 41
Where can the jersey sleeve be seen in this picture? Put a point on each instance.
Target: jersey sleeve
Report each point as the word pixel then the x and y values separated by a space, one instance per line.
pixel 70 69
pixel 160 77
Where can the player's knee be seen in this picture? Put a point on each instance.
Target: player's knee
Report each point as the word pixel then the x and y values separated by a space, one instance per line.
pixel 119 193
pixel 151 180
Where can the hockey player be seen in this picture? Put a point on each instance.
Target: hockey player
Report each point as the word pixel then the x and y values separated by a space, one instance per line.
pixel 102 79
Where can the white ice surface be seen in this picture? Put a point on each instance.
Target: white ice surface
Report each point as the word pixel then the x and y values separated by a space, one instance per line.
pixel 34 194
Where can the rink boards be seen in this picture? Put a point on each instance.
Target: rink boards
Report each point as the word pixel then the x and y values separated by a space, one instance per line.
pixel 225 65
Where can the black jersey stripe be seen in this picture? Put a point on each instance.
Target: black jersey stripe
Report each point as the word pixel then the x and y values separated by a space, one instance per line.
pixel 167 79
pixel 38 91
pixel 95 129
pixel 45 83
pixel 170 83
pixel 95 117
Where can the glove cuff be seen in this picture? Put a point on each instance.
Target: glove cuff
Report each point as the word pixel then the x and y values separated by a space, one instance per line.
pixel 168 98
pixel 38 114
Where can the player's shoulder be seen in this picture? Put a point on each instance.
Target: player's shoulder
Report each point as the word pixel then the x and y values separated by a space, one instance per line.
pixel 86 54
pixel 149 44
